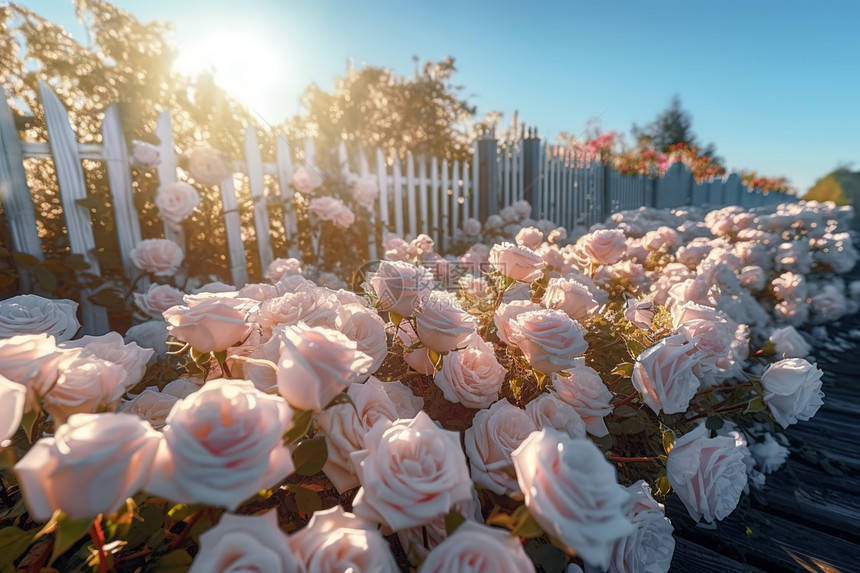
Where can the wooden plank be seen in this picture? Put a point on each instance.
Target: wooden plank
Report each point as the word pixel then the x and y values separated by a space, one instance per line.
pixel 446 198
pixel 258 195
pixel 411 199
pixel 383 189
pixel 423 190
pixel 166 168
pixel 70 178
pixel 476 200
pixel 690 557
pixel 285 178
pixel 467 191
pixel 397 192
pixel 435 205
pixel 506 159
pixel 455 197
pixel 364 171
pixel 238 263
pixel 119 180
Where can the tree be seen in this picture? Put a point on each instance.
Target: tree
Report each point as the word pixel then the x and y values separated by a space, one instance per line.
pixel 672 127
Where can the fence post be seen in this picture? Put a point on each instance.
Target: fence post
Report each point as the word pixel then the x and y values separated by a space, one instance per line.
pixel 531 167
pixel 488 176
pixel 605 189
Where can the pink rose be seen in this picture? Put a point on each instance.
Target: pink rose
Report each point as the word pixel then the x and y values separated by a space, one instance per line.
pixel 790 286
pixel 640 313
pixel 400 287
pixel 418 359
pixel 472 227
pixel 550 340
pixel 150 405
pixel 283 268
pixel 113 348
pixel 207 166
pixel 441 324
pixel 572 297
pixel 157 299
pixel 549 411
pixel 210 323
pixel 585 391
pixel 32 314
pixel 245 543
pixel 306 179
pixel 573 493
pixel 364 326
pixel 90 466
pixel 144 154
pixel 708 474
pixel 87 384
pixel 365 190
pixel 505 315
pixel 314 308
pixel 651 546
pixel 603 247
pixel 411 472
pixel 13 398
pixel 161 257
pixel 471 376
pixel 334 210
pixel 176 201
pixel 334 540
pixel 490 441
pixel 517 263
pixel 663 373
pixel 522 209
pixel 529 237
pixel 476 548
pixel 316 364
pixel 222 444
pixel 792 390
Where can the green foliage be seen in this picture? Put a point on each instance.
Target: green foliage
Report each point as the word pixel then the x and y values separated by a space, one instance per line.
pixel 673 126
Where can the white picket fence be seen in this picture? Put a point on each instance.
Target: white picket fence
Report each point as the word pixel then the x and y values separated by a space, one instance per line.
pixel 417 195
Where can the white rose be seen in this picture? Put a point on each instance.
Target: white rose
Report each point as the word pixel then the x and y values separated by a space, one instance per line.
pixel 549 411
pixel 150 405
pixel 245 543
pixel 87 384
pixel 476 548
pixel 792 390
pixel 176 201
pixel 663 373
pixel 585 391
pixel 490 441
pixel 222 444
pixel 150 334
pixel 32 314
pixel 651 546
pixel 708 474
pixel 471 376
pixel 572 297
pixel 401 287
pixel 90 466
pixel 183 387
pixel 573 493
pixel 472 227
pixel 516 262
pixel 306 179
pixel 34 361
pixel 206 166
pixel 161 257
pixel 210 323
pixel 640 313
pixel 313 307
pixel 13 398
pixel 442 325
pixel 144 154
pixel 411 472
pixel 280 268
pixel 113 348
pixel 316 364
pixel 788 343
pixel 365 190
pixel 367 329
pixel 157 299
pixel 335 541
pixel 550 339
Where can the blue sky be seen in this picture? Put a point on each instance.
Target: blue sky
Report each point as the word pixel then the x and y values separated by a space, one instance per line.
pixel 773 83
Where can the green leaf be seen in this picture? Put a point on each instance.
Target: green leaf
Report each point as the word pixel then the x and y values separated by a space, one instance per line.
pixel 150 519
pixel 46 278
pixel 546 555
pixel 177 561
pixel 624 369
pixel 181 511
pixel 108 298
pixel 634 347
pixel 756 405
pixel 663 485
pixel 342 398
pixel 13 543
pixel 714 423
pixel 69 531
pixel 310 456
pixel 299 426
pixel 26 260
pixel 76 262
pixel 527 527
pixel 28 422
pixel 307 501
pixel 668 440
pixel 453 520
pixel 632 426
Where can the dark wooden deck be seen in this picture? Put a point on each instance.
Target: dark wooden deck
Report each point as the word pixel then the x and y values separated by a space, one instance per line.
pixel 807 517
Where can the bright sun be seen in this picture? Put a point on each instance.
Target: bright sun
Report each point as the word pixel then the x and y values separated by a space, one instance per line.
pixel 244 63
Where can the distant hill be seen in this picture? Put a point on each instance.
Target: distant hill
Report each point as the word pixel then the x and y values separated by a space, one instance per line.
pixel 841 186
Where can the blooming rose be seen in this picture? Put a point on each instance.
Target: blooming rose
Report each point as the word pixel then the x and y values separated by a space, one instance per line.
pixel 471 376
pixel 216 287
pixel 90 466
pixel 603 247
pixel 550 339
pixel 708 474
pixel 400 287
pixel 364 326
pixel 316 364
pixel 489 442
pixel 529 237
pixel 365 190
pixel 788 343
pixel 150 334
pixel 792 390
pixel 222 444
pixel 334 210
pixel 411 472
pixel 790 286
pixel 517 263
pixel 549 411
pixel 157 299
pixel 650 547
pixel 663 373
pixel 32 314
pixel 640 313
pixel 573 493
pixel 313 307
pixel 245 543
pixel 161 257
pixel 207 166
pixel 150 405
pixel 476 548
pixel 572 297
pixel 441 324
pixel 176 201
pixel 335 541
pixel 506 313
pixel 13 398
pixel 306 179
pixel 113 348
pixel 87 384
pixel 183 387
pixel 584 390
pixel 471 227
pixel 210 323
pixel 144 154
pixel 283 268
pixel 346 425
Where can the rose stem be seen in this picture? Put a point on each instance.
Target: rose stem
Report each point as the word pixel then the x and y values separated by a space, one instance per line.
pixel 723 388
pixel 627 400
pixel 182 536
pixel 630 460
pixel 98 537
pixel 37 564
